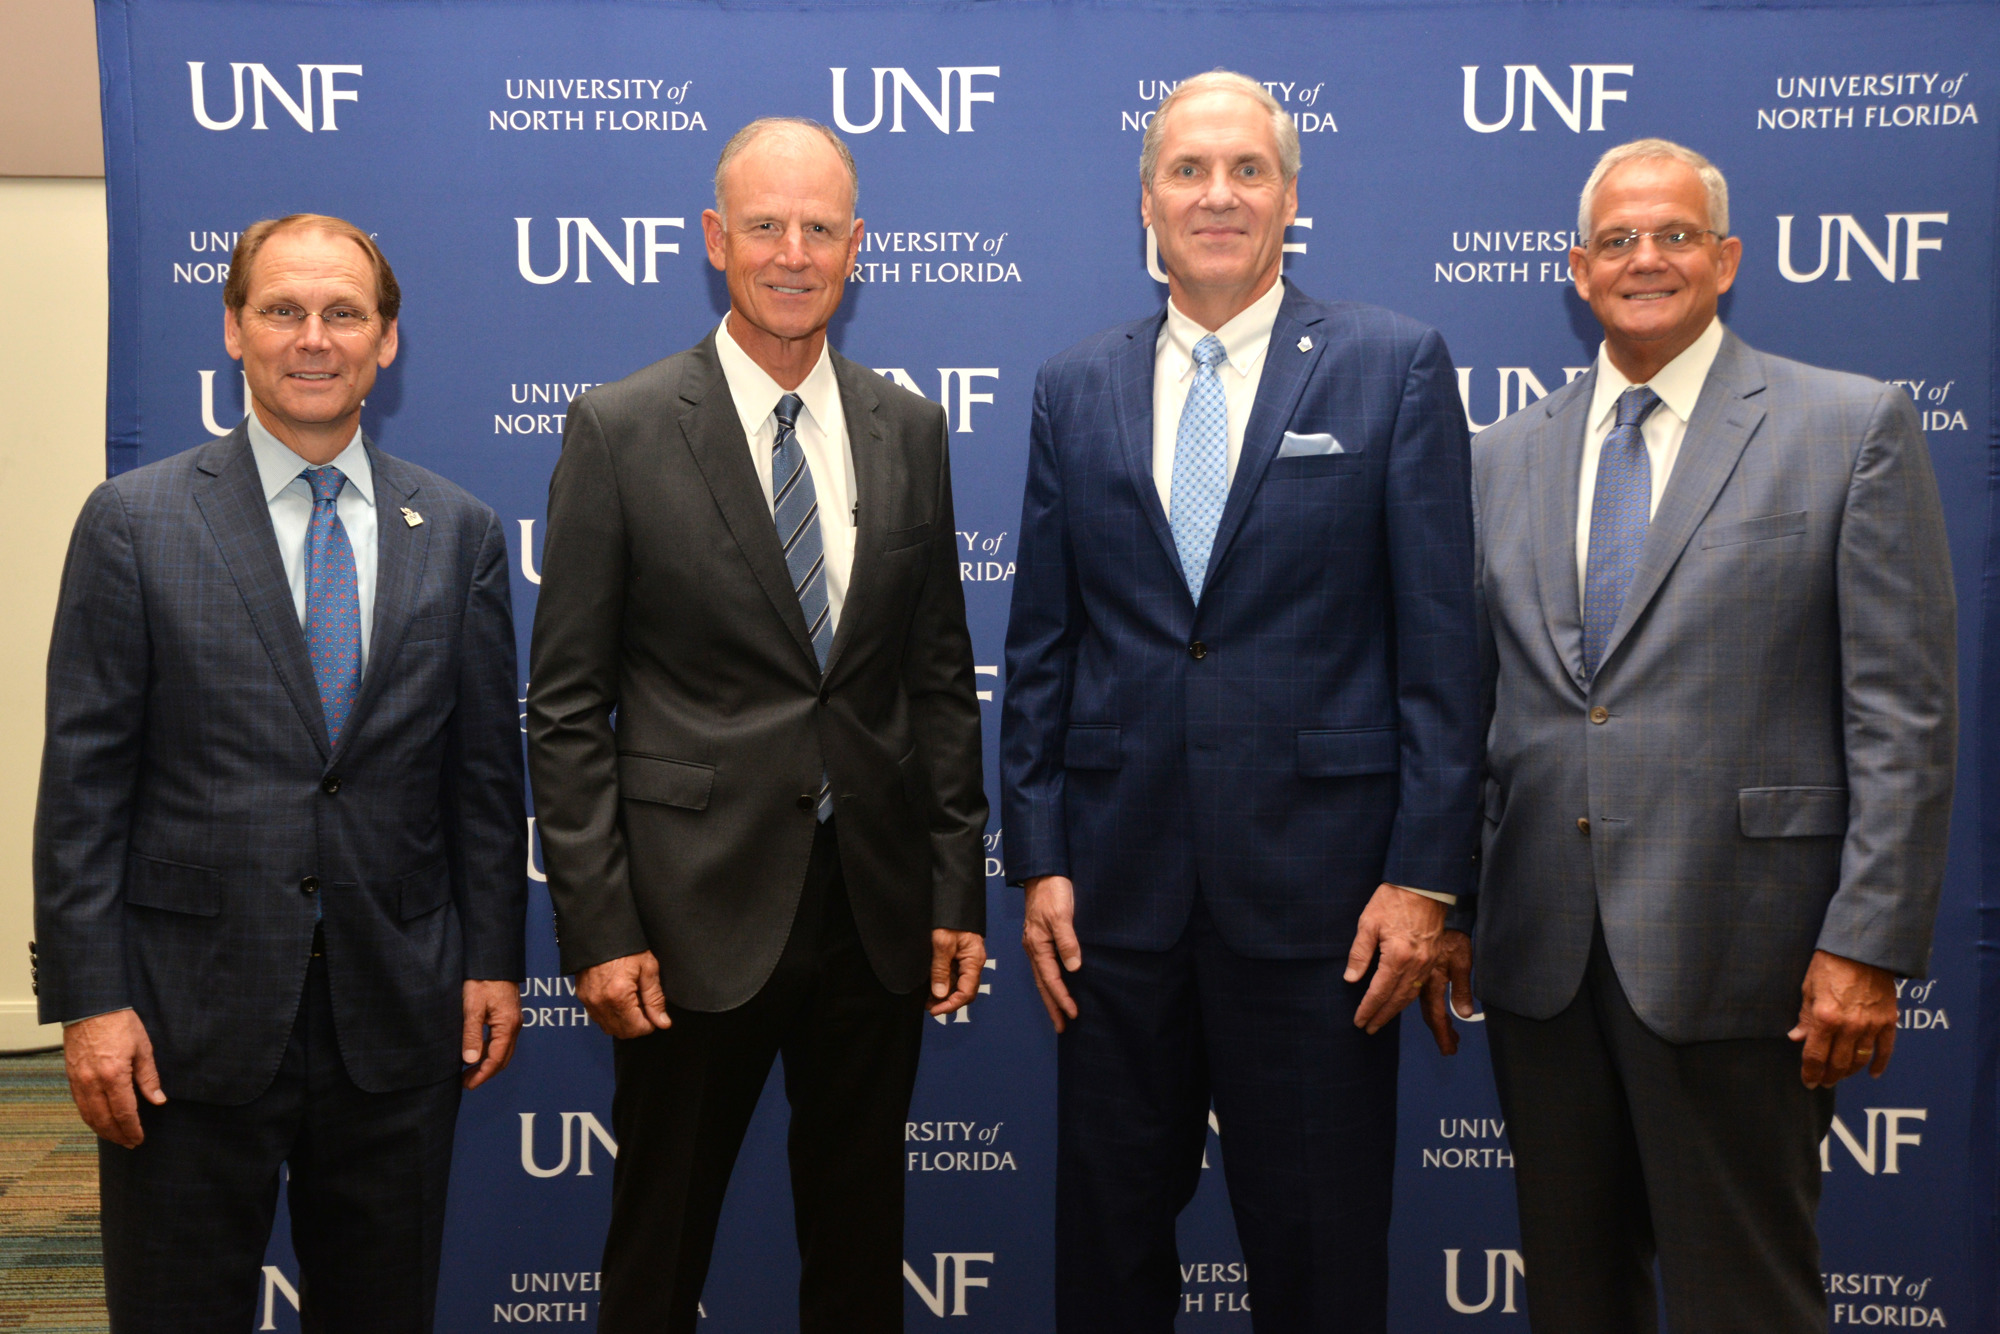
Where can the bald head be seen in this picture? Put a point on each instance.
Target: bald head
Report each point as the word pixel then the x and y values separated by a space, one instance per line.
pixel 786 145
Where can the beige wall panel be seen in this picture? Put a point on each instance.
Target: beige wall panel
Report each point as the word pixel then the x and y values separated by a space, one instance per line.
pixel 53 323
pixel 49 116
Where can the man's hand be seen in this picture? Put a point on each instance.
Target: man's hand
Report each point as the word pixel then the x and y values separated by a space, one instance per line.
pixel 1449 988
pixel 1406 928
pixel 624 995
pixel 968 950
pixel 492 1022
pixel 1847 1020
pixel 106 1055
pixel 1048 935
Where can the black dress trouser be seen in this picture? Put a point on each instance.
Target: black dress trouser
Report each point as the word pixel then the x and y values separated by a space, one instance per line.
pixel 1628 1147
pixel 187 1215
pixel 684 1100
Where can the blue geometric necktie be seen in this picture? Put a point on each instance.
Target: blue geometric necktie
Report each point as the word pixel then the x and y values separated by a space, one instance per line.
pixel 333 602
pixel 1201 465
pixel 1619 510
pixel 795 506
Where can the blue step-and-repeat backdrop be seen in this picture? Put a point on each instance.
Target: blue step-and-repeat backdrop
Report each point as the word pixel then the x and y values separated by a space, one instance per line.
pixel 536 172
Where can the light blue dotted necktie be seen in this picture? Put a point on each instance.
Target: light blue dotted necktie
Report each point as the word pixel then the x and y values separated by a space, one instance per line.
pixel 333 602
pixel 795 505
pixel 1201 465
pixel 1619 510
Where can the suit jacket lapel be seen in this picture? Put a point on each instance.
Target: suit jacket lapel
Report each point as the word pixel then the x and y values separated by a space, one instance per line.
pixel 230 495
pixel 1725 417
pixel 401 552
pixel 1557 462
pixel 1132 404
pixel 873 476
pixel 1287 369
pixel 714 434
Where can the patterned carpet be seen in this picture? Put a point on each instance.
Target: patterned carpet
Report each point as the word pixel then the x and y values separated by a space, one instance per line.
pixel 51 1278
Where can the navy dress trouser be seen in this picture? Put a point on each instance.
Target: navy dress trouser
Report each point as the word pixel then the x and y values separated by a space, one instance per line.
pixel 1306 1103
pixel 187 1215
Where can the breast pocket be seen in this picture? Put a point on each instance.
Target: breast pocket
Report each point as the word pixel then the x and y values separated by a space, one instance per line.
pixel 1310 466
pixel 1768 528
pixel 426 628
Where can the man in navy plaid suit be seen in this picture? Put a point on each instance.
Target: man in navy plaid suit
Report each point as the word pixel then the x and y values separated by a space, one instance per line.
pixel 280 847
pixel 1240 740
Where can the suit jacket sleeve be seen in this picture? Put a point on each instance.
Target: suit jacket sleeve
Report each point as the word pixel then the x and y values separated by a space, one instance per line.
pixel 944 717
pixel 573 674
pixel 1898 632
pixel 96 725
pixel 1464 915
pixel 485 818
pixel 1042 630
pixel 1428 518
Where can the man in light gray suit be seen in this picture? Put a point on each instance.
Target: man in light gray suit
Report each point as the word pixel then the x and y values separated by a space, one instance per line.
pixel 1718 626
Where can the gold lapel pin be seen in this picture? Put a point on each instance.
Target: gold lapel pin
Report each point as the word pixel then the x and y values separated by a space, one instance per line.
pixel 1306 343
pixel 411 517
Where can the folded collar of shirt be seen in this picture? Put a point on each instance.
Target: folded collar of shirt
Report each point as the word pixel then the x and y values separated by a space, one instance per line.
pixel 1244 338
pixel 756 394
pixel 278 467
pixel 1678 384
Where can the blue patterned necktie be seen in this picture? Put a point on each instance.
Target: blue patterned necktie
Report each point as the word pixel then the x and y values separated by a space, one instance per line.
pixel 1201 465
pixel 795 505
pixel 333 602
pixel 1620 507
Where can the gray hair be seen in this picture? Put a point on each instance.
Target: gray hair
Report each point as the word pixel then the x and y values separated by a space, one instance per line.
pixel 1653 150
pixel 1283 128
pixel 756 129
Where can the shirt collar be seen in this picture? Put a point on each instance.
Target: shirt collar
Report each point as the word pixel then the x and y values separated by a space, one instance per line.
pixel 278 467
pixel 1244 338
pixel 1678 383
pixel 756 394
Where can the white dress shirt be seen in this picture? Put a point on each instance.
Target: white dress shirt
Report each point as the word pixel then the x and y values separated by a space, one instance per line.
pixel 291 500
pixel 1679 386
pixel 822 435
pixel 1244 341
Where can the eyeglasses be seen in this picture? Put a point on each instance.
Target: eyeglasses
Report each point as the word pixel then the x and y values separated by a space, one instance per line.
pixel 340 321
pixel 1668 241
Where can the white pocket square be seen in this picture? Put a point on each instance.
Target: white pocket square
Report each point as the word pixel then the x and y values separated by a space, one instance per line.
pixel 1298 446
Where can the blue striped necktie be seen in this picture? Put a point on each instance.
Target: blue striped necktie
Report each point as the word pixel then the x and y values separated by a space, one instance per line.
pixel 333 602
pixel 1620 508
pixel 795 505
pixel 1201 465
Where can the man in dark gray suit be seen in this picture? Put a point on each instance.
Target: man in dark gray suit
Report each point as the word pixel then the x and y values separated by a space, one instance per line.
pixel 1718 622
pixel 751 559
pixel 280 844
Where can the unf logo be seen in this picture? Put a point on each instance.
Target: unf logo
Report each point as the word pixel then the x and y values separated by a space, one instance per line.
pixel 1532 83
pixel 945 1293
pixel 1497 1281
pixel 1906 226
pixel 262 81
pixel 938 113
pixel 586 1129
pixel 625 263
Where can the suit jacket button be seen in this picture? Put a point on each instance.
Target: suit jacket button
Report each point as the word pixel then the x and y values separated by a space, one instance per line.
pixel 1197 650
pixel 805 801
pixel 1583 826
pixel 330 784
pixel 1600 714
pixel 825 697
pixel 309 885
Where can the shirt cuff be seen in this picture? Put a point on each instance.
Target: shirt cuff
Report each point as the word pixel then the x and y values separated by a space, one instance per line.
pixel 1449 900
pixel 71 1023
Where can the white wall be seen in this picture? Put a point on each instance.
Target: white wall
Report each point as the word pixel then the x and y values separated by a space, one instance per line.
pixel 53 324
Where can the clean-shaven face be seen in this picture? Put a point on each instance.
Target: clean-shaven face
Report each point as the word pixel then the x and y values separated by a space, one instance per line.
pixel 1218 202
pixel 787 235
pixel 1653 304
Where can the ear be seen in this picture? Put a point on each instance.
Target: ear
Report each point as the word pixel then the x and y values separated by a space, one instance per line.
pixel 854 246
pixel 715 237
pixel 1291 200
pixel 387 352
pixel 232 333
pixel 1726 264
pixel 1579 270
pixel 1146 205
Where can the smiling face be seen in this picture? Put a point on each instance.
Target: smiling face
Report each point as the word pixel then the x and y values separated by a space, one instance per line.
pixel 1218 204
pixel 1652 305
pixel 308 382
pixel 787 238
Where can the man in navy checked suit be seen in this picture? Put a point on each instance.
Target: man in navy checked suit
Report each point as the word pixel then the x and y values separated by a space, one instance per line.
pixel 280 846
pixel 1240 740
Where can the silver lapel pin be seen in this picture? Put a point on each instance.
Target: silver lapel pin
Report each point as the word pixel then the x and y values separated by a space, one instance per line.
pixel 411 517
pixel 1306 343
